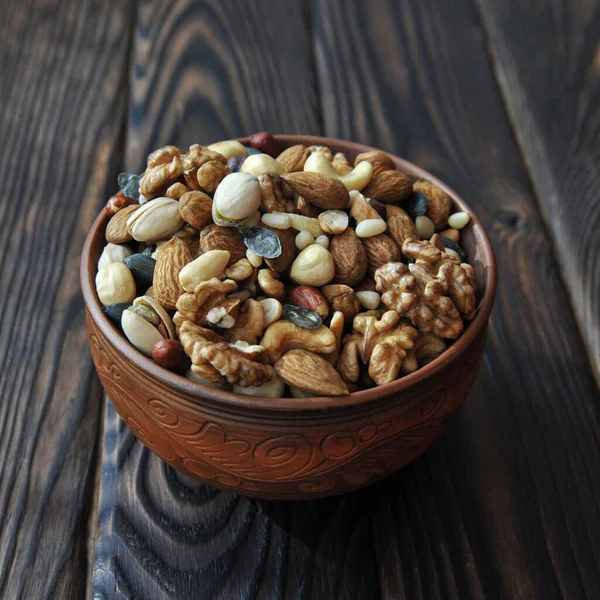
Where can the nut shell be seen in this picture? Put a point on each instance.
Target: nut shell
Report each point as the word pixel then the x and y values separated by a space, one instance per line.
pixel 158 219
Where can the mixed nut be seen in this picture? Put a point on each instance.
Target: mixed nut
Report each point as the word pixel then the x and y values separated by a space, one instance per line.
pixel 275 271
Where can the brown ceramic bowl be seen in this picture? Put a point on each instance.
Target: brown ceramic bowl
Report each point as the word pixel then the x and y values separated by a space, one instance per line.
pixel 290 448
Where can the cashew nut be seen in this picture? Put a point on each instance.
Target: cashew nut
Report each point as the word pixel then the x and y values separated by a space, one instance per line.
pixel 357 179
pixel 337 327
pixel 229 148
pixel 282 336
pixel 259 164
pixel 270 284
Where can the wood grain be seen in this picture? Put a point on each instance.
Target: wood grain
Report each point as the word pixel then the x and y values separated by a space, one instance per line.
pixel 206 71
pixel 505 504
pixel 553 97
pixel 61 69
pixel 163 535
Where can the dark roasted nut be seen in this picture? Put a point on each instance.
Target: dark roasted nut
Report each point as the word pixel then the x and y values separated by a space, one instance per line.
pixel 171 355
pixel 117 202
pixel 266 143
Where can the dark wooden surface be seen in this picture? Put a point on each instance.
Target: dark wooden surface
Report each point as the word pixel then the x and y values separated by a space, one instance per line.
pixel 546 56
pixel 62 72
pixel 500 99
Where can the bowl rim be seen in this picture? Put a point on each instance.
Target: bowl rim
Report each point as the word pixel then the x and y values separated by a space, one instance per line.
pixel 231 400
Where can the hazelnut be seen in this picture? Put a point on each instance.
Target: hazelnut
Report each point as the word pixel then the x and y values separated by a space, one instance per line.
pixel 311 298
pixel 171 355
pixel 117 202
pixel 266 143
pixel 259 164
pixel 313 266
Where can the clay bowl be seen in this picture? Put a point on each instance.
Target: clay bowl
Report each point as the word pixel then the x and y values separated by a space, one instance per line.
pixel 290 448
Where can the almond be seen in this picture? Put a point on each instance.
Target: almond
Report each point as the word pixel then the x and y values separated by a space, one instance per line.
pixel 439 203
pixel 389 187
pixel 452 234
pixel 116 230
pixel 174 255
pixel 311 298
pixel 196 208
pixel 349 258
pixel 400 226
pixel 321 190
pixel 292 159
pixel 215 237
pixel 381 249
pixel 284 261
pixel 380 161
pixel 310 373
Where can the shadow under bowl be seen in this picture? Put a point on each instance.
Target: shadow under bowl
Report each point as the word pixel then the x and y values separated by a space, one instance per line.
pixel 290 448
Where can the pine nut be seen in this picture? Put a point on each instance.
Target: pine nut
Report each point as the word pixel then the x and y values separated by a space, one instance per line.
pixel 369 300
pixel 370 228
pixel 425 227
pixel 304 239
pixel 459 220
pixel 323 240
pixel 277 220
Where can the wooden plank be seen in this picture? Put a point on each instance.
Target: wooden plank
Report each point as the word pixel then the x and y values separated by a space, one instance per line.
pixel 163 535
pixel 206 71
pixel 553 99
pixel 505 504
pixel 61 73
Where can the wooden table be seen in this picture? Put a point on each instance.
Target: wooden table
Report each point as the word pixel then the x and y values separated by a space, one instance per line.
pixel 500 98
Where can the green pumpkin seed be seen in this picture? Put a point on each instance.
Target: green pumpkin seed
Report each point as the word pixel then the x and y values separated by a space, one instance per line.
pixel 448 243
pixel 301 316
pixel 114 311
pixel 416 204
pixel 130 185
pixel 142 267
pixel 261 241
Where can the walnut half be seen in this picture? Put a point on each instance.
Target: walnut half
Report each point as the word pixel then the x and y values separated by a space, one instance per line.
pixel 216 360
